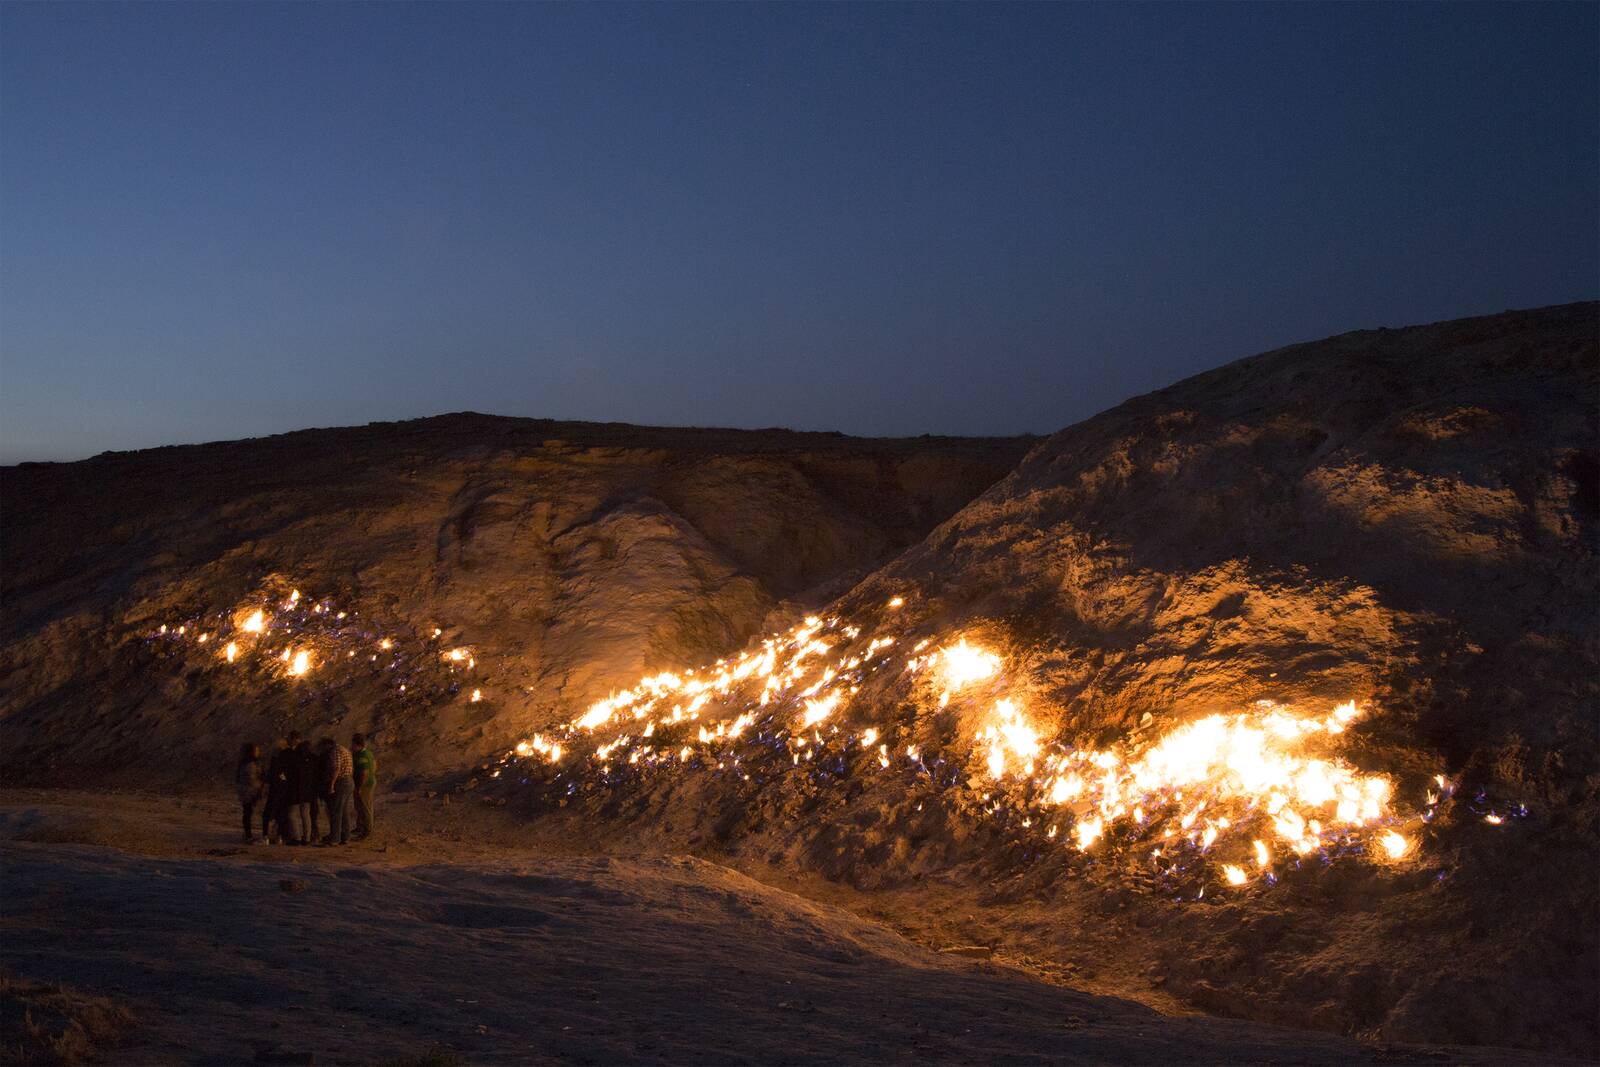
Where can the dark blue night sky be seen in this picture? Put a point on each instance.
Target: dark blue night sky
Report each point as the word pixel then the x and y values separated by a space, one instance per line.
pixel 228 220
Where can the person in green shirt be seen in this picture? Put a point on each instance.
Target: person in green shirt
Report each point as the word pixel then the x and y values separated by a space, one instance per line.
pixel 366 775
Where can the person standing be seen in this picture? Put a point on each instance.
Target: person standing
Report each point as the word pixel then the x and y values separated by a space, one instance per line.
pixel 366 779
pixel 321 801
pixel 277 821
pixel 250 780
pixel 306 779
pixel 340 783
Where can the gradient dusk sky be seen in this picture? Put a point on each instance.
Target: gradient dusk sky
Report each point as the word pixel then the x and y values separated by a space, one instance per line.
pixel 227 220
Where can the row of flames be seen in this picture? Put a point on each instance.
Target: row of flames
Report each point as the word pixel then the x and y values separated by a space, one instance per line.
pixel 277 635
pixel 1246 791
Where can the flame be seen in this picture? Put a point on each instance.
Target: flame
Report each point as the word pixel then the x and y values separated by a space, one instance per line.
pixel 964 664
pixel 1216 790
pixel 817 710
pixel 1065 787
pixel 1394 844
pixel 540 744
pixel 1009 735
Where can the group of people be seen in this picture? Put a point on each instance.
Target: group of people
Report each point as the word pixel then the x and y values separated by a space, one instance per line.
pixel 300 782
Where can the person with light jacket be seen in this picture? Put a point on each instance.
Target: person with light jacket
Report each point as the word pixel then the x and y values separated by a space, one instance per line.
pixel 340 785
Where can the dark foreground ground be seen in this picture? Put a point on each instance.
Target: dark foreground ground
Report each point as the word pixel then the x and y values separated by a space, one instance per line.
pixel 174 944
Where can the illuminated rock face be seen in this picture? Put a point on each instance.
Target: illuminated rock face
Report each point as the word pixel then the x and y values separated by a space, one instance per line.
pixel 1021 708
pixel 572 557
pixel 1410 516
pixel 1406 519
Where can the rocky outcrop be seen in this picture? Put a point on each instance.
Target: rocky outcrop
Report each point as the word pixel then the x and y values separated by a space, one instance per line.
pixel 1410 517
pixel 570 557
pixel 1406 518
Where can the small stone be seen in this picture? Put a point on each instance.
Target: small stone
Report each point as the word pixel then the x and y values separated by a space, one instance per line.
pixel 977 952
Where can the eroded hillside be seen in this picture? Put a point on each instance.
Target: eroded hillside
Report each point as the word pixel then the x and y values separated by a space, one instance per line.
pixel 570 557
pixel 1043 728
pixel 1273 693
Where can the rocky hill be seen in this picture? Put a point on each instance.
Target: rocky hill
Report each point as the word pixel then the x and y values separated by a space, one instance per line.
pixel 1273 693
pixel 1043 759
pixel 1408 518
pixel 569 557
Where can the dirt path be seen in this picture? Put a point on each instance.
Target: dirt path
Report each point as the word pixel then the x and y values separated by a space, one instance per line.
pixel 383 952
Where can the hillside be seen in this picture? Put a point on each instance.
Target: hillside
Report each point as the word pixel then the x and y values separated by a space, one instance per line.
pixel 568 556
pixel 1409 519
pixel 1405 520
pixel 1271 694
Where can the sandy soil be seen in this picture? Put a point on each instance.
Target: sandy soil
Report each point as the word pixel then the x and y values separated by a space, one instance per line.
pixel 443 934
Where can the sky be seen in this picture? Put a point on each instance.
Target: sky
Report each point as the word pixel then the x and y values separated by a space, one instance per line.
pixel 227 220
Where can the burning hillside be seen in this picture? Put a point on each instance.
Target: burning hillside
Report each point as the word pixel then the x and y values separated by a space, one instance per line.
pixel 1272 693
pixel 1209 789
pixel 570 555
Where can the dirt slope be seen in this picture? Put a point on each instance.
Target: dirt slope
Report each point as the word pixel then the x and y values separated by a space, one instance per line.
pixel 1407 515
pixel 1409 519
pixel 568 556
pixel 1405 518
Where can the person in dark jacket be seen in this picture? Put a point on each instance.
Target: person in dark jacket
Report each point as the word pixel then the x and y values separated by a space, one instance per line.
pixel 278 818
pixel 250 781
pixel 305 788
